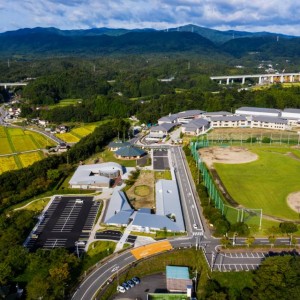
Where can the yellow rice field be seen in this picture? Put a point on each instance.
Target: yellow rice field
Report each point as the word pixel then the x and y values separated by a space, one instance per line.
pixel 68 137
pixel 7 163
pixel 28 159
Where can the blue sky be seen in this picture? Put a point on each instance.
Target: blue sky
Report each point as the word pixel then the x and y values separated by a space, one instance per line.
pixel 281 16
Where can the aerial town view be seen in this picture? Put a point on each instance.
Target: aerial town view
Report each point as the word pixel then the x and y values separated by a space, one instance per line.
pixel 149 150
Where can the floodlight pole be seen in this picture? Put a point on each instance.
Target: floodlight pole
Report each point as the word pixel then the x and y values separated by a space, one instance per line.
pixel 77 251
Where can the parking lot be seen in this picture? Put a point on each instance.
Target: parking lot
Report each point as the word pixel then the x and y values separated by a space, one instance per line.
pixel 66 221
pixel 149 284
pixel 160 160
pixel 113 235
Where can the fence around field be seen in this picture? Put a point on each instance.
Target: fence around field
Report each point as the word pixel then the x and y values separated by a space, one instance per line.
pixel 252 217
pixel 264 138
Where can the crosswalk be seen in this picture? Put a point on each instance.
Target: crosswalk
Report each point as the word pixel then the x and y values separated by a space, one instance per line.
pixel 198 233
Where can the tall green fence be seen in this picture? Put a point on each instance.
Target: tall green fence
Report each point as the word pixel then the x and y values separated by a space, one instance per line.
pixel 252 217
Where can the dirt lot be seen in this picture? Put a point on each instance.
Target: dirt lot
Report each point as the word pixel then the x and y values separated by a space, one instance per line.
pixel 227 155
pixel 146 178
pixel 293 201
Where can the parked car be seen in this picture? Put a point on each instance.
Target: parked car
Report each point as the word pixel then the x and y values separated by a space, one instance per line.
pixel 125 286
pixel 121 289
pixel 136 280
pixel 130 283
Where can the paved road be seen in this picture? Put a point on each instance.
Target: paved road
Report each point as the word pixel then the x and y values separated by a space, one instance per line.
pixel 192 216
pixel 199 237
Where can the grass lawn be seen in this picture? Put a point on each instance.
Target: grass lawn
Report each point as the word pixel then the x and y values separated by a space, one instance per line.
pixel 96 252
pixel 108 155
pixel 142 190
pixel 264 183
pixel 28 159
pixel 37 205
pixel 234 281
pixel 162 175
pixel 7 163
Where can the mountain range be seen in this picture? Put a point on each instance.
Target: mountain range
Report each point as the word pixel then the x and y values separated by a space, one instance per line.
pixel 102 41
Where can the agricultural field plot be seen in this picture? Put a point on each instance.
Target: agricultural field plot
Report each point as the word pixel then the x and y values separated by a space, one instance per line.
pixel 14 131
pixel 81 131
pixel 264 183
pixel 18 140
pixel 28 159
pixel 23 143
pixel 7 163
pixel 40 140
pixel 5 146
pixel 68 137
pixel 2 132
pixel 65 102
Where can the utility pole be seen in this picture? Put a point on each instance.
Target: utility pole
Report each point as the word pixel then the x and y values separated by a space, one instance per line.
pixel 212 261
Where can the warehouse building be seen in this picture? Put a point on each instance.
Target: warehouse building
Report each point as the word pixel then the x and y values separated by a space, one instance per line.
pixel 96 176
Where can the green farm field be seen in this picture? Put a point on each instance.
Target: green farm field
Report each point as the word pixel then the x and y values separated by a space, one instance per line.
pixel 266 182
pixel 65 102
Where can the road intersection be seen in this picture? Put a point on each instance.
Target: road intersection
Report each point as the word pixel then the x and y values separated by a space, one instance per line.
pixel 198 236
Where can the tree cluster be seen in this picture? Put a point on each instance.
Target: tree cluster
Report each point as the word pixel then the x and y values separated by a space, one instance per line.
pixel 19 185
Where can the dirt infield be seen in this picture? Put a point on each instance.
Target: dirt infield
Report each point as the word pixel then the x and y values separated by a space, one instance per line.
pixel 227 155
pixel 293 201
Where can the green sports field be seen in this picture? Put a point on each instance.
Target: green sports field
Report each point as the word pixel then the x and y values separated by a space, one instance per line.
pixel 266 182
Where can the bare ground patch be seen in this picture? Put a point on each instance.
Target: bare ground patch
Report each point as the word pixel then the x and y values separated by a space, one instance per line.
pixel 145 179
pixel 227 155
pixel 293 201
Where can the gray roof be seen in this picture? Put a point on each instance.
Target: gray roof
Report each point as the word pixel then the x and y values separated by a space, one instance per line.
pixel 155 222
pixel 218 113
pixel 120 218
pixel 130 151
pixel 269 119
pixel 118 144
pixel 163 127
pixel 87 174
pixel 259 109
pixel 195 124
pixel 189 113
pixel 228 118
pixel 118 209
pixel 292 110
pixel 170 118
pixel 168 202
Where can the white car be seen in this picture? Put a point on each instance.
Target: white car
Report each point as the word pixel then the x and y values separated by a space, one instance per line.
pixel 121 289
pixel 195 226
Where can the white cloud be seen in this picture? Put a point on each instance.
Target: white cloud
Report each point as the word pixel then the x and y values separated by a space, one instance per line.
pixel 254 15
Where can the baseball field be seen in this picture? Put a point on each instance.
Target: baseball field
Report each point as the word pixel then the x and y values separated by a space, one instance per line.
pixel 264 177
